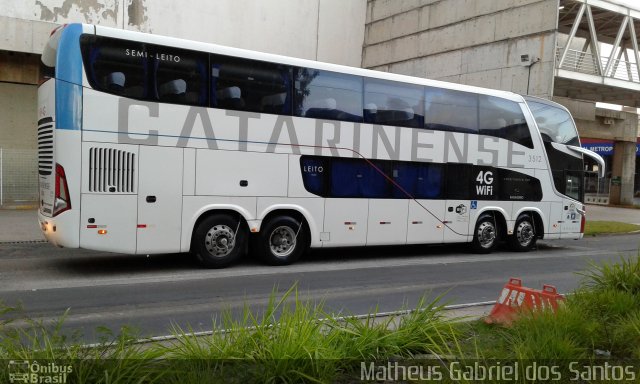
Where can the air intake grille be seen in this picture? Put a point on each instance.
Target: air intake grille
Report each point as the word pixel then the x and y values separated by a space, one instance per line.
pixel 45 146
pixel 111 170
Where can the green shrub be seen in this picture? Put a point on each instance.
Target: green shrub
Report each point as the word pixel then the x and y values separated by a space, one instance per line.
pixel 623 275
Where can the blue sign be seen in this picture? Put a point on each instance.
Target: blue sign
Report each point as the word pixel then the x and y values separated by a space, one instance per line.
pixel 602 149
pixel 474 204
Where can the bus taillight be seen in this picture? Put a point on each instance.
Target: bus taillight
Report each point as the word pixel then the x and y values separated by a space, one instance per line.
pixel 62 201
pixel 582 223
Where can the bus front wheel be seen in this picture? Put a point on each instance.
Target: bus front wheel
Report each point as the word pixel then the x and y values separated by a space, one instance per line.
pixel 282 241
pixel 219 241
pixel 485 235
pixel 524 234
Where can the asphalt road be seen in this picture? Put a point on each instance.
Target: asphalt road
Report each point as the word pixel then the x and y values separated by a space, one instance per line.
pixel 151 293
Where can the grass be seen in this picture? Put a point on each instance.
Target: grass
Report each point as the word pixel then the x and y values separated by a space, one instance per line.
pixel 289 342
pixel 593 228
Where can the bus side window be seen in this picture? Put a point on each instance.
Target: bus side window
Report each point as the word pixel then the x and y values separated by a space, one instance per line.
pixel 417 180
pixel 180 76
pixel 395 103
pixel 504 119
pixel 449 110
pixel 359 178
pixel 115 66
pixel 250 85
pixel 328 95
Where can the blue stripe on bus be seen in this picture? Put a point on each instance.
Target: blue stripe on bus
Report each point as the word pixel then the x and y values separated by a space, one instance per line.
pixel 69 79
pixel 69 60
pixel 68 105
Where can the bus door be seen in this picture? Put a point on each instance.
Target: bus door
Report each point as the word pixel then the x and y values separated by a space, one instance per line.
pixel 159 199
pixel 456 221
pixel 571 216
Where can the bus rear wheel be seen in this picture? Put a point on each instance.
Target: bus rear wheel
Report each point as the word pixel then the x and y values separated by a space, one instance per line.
pixel 218 241
pixel 524 235
pixel 485 235
pixel 282 241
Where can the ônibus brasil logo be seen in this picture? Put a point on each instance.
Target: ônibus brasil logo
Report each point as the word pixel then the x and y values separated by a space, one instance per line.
pixel 32 372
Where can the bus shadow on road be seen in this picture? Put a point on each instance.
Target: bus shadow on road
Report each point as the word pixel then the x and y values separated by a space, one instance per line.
pixel 101 264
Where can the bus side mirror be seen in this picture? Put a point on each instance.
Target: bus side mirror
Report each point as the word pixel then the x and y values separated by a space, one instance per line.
pixel 598 159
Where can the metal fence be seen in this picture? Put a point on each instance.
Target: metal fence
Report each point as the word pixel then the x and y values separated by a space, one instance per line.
pixel 18 177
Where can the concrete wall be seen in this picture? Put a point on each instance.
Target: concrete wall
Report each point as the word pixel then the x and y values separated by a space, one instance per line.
pixel 464 41
pixel 325 30
pixel 18 165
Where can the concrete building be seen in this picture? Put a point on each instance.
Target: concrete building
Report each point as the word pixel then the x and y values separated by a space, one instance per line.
pixel 325 30
pixel 549 48
pixel 576 52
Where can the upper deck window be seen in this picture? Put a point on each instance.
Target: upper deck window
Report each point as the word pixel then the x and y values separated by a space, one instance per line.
pixel 555 123
pixel 449 110
pixel 116 66
pixel 179 76
pixel 503 118
pixel 250 85
pixel 145 71
pixel 327 95
pixel 393 103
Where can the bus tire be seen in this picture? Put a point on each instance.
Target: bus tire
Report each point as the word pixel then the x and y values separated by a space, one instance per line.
pixel 485 235
pixel 218 241
pixel 524 234
pixel 282 241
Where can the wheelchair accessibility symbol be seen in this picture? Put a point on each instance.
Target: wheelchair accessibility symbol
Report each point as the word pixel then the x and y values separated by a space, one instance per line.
pixel 474 204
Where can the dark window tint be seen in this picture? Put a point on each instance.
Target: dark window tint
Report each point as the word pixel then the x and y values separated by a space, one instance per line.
pixel 449 110
pixel 486 183
pixel 116 66
pixel 417 180
pixel 504 119
pixel 250 85
pixel 393 103
pixel 555 123
pixel 518 186
pixel 179 76
pixel 328 95
pixel 358 178
pixel 314 170
pixel 459 181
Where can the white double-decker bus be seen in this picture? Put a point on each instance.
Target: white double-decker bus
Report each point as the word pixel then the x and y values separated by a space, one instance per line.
pixel 150 144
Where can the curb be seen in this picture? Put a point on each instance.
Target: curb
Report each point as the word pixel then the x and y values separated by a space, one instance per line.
pixel 378 315
pixel 24 207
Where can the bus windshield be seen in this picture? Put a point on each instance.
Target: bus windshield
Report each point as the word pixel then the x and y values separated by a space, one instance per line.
pixel 554 123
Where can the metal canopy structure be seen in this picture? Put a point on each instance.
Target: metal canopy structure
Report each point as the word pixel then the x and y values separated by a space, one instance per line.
pixel 597 56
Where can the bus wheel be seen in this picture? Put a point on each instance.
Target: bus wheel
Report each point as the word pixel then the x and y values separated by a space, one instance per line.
pixel 218 241
pixel 282 241
pixel 485 235
pixel 524 235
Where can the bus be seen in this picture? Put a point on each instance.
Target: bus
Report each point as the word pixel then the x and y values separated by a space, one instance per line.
pixel 150 144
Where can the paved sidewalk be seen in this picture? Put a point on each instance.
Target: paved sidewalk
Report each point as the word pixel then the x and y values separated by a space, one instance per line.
pixel 19 225
pixel 607 213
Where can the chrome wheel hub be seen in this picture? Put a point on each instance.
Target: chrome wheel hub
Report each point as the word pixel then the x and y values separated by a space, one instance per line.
pixel 282 241
pixel 220 240
pixel 486 234
pixel 524 233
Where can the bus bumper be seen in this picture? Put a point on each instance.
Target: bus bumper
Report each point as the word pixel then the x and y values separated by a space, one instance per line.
pixel 61 231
